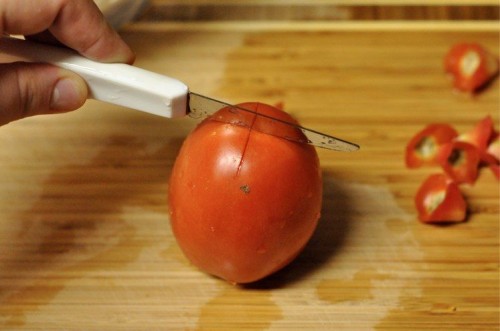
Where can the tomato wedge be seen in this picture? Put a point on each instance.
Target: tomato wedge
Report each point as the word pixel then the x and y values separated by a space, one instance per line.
pixel 424 148
pixel 439 200
pixel 471 66
pixel 460 161
pixel 484 137
pixel 480 135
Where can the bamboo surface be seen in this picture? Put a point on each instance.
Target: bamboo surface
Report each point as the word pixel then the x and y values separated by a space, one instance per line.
pixel 85 242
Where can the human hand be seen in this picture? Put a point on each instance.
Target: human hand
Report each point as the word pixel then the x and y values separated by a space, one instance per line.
pixel 29 89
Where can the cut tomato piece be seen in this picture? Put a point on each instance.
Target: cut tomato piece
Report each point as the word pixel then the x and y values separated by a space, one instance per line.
pixel 487 141
pixel 480 135
pixel 424 147
pixel 460 161
pixel 471 66
pixel 439 200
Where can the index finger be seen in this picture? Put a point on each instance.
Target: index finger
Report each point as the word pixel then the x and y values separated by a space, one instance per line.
pixel 78 24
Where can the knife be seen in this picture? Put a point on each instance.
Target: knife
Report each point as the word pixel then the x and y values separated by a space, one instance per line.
pixel 139 89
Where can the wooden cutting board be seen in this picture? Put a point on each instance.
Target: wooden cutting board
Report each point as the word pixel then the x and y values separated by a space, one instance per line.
pixel 85 242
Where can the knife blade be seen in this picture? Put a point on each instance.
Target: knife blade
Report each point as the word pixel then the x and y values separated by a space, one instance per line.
pixel 150 92
pixel 201 106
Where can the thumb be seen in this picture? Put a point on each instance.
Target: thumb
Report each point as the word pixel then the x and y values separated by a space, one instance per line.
pixel 29 89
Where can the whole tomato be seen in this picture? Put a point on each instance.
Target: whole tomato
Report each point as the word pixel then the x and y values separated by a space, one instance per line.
pixel 244 203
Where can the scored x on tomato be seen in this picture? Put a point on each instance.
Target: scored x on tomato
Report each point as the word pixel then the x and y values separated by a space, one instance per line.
pixel 201 106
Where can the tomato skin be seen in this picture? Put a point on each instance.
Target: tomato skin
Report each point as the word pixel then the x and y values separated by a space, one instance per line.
pixel 243 203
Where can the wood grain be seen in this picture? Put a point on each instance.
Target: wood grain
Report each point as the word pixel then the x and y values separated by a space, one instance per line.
pixel 85 242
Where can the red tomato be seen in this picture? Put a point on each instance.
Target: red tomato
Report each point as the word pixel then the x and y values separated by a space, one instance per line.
pixel 439 200
pixel 244 203
pixel 424 148
pixel 471 66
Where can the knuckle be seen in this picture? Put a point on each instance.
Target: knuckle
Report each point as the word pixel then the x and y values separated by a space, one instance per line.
pixel 24 95
pixel 21 95
pixel 11 103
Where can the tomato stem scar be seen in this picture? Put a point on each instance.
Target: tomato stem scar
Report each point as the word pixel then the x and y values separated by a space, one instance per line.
pixel 245 188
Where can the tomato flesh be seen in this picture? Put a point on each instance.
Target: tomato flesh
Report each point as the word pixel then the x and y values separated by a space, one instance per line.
pixel 244 202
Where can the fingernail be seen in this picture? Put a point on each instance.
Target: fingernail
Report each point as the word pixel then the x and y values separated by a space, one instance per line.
pixel 66 95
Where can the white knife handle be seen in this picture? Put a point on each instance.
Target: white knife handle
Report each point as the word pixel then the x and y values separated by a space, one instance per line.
pixel 119 84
